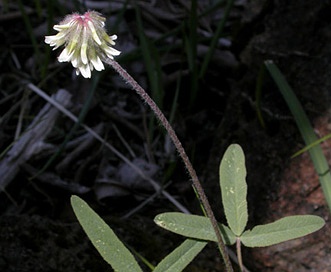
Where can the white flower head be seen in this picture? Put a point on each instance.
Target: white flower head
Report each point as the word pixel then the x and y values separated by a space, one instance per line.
pixel 86 42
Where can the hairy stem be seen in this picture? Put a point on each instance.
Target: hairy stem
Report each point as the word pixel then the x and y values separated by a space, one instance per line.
pixel 195 180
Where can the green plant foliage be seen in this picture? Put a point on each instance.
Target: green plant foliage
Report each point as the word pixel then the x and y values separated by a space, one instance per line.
pixel 178 259
pixel 193 226
pixel 103 238
pixel 234 188
pixel 307 132
pixel 284 229
pixel 199 228
pixel 216 37
pixel 307 147
pixel 152 62
pixel 234 193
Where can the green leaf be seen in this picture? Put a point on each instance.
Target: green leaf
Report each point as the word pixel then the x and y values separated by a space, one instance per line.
pixel 178 259
pixel 193 226
pixel 103 238
pixel 284 229
pixel 234 188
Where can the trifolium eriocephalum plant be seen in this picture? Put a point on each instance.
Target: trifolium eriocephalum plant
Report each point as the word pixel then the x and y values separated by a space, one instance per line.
pixel 86 42
pixel 87 45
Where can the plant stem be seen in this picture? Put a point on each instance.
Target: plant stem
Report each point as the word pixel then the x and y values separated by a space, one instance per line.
pixel 196 183
pixel 240 261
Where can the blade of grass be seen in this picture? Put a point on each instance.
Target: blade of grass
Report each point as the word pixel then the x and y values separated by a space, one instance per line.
pixel 141 258
pixel 173 162
pixel 29 30
pixel 38 8
pixel 214 41
pixel 119 18
pixel 175 100
pixel 47 54
pixel 258 92
pixel 326 137
pixel 160 42
pixel 191 44
pixel 153 67
pixel 306 129
pixel 152 62
pixel 212 8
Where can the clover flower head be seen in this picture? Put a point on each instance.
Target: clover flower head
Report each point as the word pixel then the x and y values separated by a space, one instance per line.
pixel 86 42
